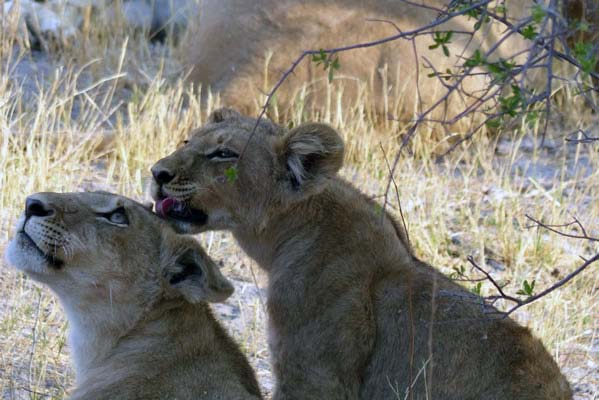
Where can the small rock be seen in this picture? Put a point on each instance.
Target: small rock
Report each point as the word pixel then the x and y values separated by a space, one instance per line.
pixel 495 265
pixel 504 147
pixel 527 144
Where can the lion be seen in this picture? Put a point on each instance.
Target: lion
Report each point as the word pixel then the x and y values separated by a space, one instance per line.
pixel 240 49
pixel 353 314
pixel 135 295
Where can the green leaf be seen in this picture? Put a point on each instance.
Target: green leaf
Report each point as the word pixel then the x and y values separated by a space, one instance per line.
pixel 319 58
pixel 231 173
pixel 538 14
pixel 511 105
pixel 531 118
pixel 529 32
pixel 330 75
pixel 448 75
pixel 493 123
pixel 583 26
pixel 475 60
pixel 441 39
pixel 335 64
pixel 476 289
pixel 585 56
pixel 527 288
pixel 458 272
pixel 501 70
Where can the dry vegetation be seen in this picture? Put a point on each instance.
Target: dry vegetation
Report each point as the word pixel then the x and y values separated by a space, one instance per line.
pixel 115 106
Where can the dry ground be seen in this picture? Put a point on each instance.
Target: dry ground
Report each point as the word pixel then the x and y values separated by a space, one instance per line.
pixel 100 112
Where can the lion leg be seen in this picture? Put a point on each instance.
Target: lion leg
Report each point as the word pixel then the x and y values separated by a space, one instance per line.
pixel 319 350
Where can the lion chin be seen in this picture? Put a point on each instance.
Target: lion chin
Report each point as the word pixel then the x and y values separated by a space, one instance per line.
pixel 27 257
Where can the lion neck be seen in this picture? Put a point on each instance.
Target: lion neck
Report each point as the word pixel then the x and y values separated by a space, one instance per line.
pixel 114 345
pixel 289 237
pixel 289 233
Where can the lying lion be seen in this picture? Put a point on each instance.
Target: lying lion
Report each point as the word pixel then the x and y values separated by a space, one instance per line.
pixel 240 49
pixel 353 314
pixel 135 296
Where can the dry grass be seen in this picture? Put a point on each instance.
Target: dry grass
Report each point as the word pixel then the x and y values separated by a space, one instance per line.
pixel 103 126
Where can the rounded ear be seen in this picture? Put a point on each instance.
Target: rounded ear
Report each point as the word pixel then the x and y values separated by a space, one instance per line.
pixel 223 114
pixel 312 154
pixel 195 276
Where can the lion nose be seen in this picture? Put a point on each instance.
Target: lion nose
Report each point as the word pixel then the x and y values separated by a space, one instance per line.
pixel 37 208
pixel 162 175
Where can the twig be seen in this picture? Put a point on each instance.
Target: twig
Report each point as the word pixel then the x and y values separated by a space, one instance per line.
pixel 493 281
pixel 403 220
pixel 585 137
pixel 552 229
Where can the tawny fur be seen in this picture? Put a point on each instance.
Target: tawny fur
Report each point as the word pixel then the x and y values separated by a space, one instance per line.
pixel 353 314
pixel 240 49
pixel 135 298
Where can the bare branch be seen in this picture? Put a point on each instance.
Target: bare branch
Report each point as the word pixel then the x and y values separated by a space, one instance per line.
pixel 403 220
pixel 519 303
pixel 556 285
pixel 493 281
pixel 585 137
pixel 552 229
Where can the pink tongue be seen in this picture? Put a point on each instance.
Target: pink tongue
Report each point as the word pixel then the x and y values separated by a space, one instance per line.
pixel 165 205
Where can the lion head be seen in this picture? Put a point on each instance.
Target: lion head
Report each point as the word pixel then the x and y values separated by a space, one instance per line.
pixel 107 254
pixel 236 170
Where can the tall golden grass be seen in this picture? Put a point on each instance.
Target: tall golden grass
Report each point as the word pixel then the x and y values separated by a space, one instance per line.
pixel 132 107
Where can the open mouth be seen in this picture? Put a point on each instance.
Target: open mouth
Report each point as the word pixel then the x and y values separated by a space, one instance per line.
pixel 52 261
pixel 170 207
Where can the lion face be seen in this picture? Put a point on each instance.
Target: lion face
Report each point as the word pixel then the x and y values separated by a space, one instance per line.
pixel 225 177
pixel 96 249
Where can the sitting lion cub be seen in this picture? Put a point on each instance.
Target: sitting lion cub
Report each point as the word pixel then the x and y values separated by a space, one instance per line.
pixel 135 295
pixel 353 314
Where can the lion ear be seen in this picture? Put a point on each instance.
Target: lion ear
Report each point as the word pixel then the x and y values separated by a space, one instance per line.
pixel 312 154
pixel 223 114
pixel 195 276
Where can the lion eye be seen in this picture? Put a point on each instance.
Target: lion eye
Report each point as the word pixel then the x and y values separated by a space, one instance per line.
pixel 117 217
pixel 222 154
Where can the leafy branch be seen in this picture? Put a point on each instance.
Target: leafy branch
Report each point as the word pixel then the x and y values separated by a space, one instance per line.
pixel 508 94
